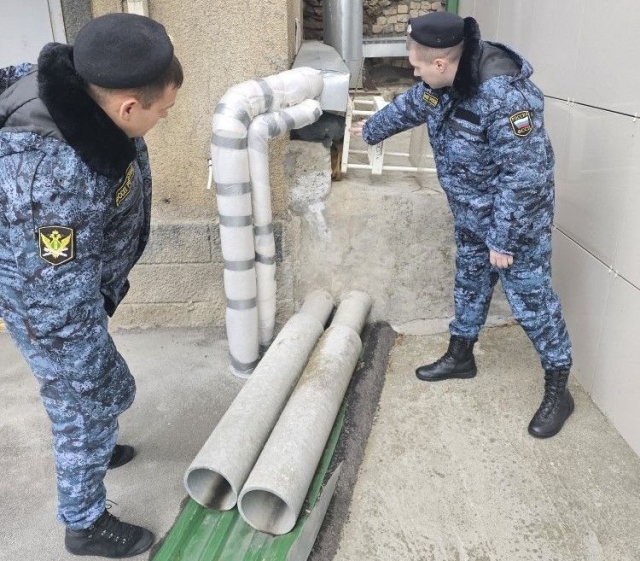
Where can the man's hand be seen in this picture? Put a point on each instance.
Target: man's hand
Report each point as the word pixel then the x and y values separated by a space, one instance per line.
pixel 500 260
pixel 356 128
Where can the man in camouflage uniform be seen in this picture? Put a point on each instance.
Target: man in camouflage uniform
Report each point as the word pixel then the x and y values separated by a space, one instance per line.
pixel 75 200
pixel 495 164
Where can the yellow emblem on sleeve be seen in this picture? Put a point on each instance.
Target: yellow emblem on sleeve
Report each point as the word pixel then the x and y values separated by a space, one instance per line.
pixel 56 244
pixel 430 99
pixel 124 189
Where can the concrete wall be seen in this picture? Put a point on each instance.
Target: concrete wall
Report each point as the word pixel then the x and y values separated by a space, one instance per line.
pixel 585 52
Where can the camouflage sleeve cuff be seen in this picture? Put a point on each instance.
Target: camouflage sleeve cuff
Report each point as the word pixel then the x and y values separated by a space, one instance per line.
pixel 498 247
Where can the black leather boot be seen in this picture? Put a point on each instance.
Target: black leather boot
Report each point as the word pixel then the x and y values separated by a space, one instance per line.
pixel 457 362
pixel 109 537
pixel 557 404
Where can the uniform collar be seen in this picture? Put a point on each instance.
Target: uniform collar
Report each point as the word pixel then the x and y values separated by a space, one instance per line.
pixel 104 147
pixel 467 79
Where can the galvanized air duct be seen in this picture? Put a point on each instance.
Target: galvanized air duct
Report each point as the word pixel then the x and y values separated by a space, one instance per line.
pixel 263 128
pixel 342 21
pixel 275 490
pixel 230 162
pixel 217 473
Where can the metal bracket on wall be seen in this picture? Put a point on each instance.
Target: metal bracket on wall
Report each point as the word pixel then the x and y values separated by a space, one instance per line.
pixel 376 153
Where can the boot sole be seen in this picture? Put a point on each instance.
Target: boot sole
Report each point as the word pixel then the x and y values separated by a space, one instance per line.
pixel 572 406
pixel 457 376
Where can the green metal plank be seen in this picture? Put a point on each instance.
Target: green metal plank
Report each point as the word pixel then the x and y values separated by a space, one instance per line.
pixel 452 6
pixel 201 534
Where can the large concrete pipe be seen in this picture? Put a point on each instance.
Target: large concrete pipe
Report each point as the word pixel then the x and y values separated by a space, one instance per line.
pixel 263 128
pixel 217 473
pixel 230 162
pixel 275 490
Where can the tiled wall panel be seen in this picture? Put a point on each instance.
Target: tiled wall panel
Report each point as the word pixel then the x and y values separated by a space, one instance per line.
pixel 577 277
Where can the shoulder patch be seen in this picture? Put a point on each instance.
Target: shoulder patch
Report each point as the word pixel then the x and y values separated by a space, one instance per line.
pixel 430 99
pixel 521 123
pixel 125 188
pixel 56 244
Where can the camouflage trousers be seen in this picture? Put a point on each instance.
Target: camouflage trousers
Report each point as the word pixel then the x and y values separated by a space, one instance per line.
pixel 527 286
pixel 83 438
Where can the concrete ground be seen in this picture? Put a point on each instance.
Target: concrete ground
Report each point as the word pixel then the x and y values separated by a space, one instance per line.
pixel 449 471
pixel 183 388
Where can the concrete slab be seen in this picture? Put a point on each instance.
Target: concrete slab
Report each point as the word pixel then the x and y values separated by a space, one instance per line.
pixel 450 472
pixel 389 235
pixel 184 387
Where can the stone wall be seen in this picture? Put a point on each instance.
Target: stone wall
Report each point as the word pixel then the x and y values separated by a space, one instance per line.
pixel 380 17
pixel 390 17
pixel 313 19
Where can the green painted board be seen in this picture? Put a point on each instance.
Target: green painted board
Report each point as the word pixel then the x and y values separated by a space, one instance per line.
pixel 201 534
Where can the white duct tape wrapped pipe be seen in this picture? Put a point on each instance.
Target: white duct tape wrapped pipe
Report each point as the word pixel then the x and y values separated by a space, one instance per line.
pixel 263 128
pixel 230 160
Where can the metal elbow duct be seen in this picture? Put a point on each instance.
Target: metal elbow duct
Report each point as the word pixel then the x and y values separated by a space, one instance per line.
pixel 231 172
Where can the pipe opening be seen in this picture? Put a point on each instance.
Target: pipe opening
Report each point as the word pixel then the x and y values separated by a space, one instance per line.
pixel 267 512
pixel 211 489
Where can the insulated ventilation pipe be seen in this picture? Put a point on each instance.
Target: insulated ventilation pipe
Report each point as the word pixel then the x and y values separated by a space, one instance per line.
pixel 231 173
pixel 275 490
pixel 263 128
pixel 218 472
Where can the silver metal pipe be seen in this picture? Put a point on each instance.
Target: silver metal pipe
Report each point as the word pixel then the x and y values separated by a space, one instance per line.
pixel 343 31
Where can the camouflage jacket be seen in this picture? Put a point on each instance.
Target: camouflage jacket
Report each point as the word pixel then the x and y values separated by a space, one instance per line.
pixel 75 196
pixel 492 154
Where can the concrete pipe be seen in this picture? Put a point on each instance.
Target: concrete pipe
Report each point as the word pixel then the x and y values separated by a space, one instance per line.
pixel 217 473
pixel 275 490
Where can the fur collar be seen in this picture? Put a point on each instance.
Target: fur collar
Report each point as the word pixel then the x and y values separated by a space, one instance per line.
pixel 467 79
pixel 104 147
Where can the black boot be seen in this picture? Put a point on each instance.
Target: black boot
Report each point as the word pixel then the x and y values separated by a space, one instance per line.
pixel 108 537
pixel 122 454
pixel 557 404
pixel 457 362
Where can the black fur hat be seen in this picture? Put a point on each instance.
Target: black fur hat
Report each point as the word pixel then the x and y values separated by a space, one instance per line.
pixel 121 51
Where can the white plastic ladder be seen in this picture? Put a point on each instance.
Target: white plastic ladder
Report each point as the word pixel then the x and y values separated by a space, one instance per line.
pixel 377 153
